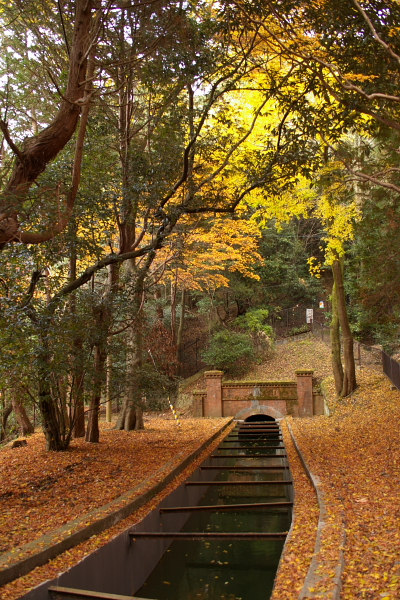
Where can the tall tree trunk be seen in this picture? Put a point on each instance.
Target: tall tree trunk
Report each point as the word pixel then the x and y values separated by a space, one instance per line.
pixel 7 410
pixel 78 407
pixel 92 431
pixel 109 389
pixel 349 377
pixel 78 412
pixel 64 413
pixel 48 408
pixel 139 423
pixel 179 338
pixel 113 285
pixel 336 358
pixel 102 316
pixel 39 150
pixel 130 416
pixel 174 301
pixel 24 423
pixel 182 320
pixel 159 308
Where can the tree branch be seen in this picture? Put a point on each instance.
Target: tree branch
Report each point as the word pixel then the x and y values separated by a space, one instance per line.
pixel 375 33
pixel 9 141
pixel 38 238
pixel 361 175
pixel 36 275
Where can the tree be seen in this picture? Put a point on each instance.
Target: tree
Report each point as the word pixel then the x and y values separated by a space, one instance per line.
pixel 180 96
pixel 39 150
pixel 349 382
pixel 337 205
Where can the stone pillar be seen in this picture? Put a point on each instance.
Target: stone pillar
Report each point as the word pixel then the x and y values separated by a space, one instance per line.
pixel 305 392
pixel 198 404
pixel 213 399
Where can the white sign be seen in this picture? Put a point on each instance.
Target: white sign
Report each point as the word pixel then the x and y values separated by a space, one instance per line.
pixel 309 315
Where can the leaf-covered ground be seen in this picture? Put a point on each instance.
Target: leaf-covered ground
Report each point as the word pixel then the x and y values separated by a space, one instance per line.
pixel 196 432
pixel 308 353
pixel 41 491
pixel 356 454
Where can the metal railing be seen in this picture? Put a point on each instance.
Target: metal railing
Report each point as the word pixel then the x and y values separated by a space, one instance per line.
pixel 364 355
pixel 288 319
pixel 190 356
pixel 391 368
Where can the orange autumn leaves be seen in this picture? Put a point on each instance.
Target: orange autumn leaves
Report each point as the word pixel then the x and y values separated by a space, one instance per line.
pixel 201 254
pixel 192 434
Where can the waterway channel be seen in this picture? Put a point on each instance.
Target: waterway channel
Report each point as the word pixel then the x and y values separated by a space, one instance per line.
pixel 231 569
pixel 217 536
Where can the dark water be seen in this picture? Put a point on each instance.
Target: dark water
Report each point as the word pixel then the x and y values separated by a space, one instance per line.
pixel 226 569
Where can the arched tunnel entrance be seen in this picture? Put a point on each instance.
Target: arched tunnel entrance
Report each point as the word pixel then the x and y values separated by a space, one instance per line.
pixel 259 418
pixel 257 426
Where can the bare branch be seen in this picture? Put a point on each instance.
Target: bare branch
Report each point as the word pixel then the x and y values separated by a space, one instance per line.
pixel 38 238
pixel 364 176
pixel 213 95
pixel 361 109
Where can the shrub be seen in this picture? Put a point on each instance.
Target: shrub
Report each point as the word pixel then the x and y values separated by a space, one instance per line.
pixel 255 321
pixel 297 330
pixel 227 348
pixel 262 334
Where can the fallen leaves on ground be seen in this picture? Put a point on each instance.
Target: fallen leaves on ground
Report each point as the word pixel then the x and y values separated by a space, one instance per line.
pixel 299 547
pixel 356 454
pixel 65 561
pixel 41 491
pixel 309 353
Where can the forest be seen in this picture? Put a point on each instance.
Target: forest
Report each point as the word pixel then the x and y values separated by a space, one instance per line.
pixel 179 169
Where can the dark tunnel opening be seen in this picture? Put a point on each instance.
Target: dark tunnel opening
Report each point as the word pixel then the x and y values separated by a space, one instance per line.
pixel 259 418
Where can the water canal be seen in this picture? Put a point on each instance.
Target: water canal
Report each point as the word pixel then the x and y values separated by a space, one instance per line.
pixel 249 495
pixel 217 536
